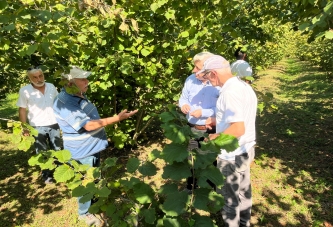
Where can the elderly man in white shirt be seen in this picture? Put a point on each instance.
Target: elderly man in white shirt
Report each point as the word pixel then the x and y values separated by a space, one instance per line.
pixel 235 115
pixel 35 104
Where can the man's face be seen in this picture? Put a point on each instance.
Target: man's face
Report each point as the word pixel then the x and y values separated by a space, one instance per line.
pixel 197 67
pixel 82 84
pixel 212 77
pixel 37 78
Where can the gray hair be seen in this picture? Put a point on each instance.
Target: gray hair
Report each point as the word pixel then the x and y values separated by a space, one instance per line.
pixel 34 70
pixel 201 56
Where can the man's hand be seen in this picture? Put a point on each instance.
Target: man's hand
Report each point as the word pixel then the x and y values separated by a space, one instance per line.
pixel 196 113
pixel 213 136
pixel 210 122
pixel 125 114
pixel 185 108
pixel 26 132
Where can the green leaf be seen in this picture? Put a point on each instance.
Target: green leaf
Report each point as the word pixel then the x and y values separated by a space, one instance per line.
pixel 227 142
pixel 165 45
pixel 143 193
pixel 154 7
pixel 75 183
pixel 110 209
pixel 207 200
pixel 75 165
pixel 63 173
pixel 3 4
pixel 132 165
pixel 87 197
pixel 31 49
pixel 103 192
pixel 28 16
pixel 60 7
pixel 167 116
pixel 93 209
pixel 328 7
pixel 34 160
pixel 130 183
pixel 148 169
pixel 145 52
pixel 82 38
pixel 63 155
pixel 176 133
pixel 167 189
pixel 154 154
pixel 149 215
pixel 16 138
pixel 83 190
pixel 304 26
pixel 176 171
pixel 329 34
pixel 184 34
pixel 204 158
pixel 170 14
pixel 210 173
pixel 175 204
pixel 174 152
pixel 203 221
pixel 109 162
pixel 9 27
pixel 172 222
pixel 24 145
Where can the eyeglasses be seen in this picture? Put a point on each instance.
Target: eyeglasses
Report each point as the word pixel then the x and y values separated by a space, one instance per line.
pixel 205 76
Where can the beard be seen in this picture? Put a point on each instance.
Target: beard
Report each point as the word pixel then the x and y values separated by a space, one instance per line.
pixel 38 84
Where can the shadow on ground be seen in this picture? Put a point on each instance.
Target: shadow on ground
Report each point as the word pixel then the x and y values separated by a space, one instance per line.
pixel 299 133
pixel 21 190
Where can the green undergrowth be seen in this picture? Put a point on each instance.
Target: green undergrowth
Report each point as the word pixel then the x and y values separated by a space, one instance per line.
pixel 291 175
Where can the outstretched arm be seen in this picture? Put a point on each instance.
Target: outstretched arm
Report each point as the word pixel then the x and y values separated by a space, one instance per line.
pixel 96 124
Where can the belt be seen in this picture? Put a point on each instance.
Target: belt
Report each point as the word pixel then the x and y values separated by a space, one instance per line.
pixel 198 127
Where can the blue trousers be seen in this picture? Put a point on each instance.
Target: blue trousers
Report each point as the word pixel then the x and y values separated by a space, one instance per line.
pixel 93 161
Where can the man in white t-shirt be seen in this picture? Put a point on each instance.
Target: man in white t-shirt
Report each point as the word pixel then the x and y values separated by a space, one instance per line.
pixel 235 115
pixel 241 67
pixel 35 104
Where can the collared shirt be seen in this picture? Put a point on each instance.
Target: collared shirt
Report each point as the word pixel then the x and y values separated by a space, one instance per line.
pixel 72 114
pixel 237 103
pixel 39 105
pixel 199 95
pixel 241 68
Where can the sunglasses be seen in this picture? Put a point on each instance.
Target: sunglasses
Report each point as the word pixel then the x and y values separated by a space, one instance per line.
pixel 33 67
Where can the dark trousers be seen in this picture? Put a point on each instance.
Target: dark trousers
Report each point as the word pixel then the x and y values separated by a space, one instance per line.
pixel 48 138
pixel 191 182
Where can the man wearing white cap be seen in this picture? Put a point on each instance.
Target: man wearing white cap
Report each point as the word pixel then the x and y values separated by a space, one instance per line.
pixel 235 115
pixel 241 67
pixel 83 129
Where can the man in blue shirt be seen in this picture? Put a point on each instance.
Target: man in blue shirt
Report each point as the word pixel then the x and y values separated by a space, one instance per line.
pixel 198 102
pixel 83 129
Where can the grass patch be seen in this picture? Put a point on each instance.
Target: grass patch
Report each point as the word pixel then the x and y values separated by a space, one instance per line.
pixel 292 174
pixel 8 108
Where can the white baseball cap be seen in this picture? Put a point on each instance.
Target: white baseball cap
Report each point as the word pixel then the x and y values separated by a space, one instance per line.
pixel 214 62
pixel 76 72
